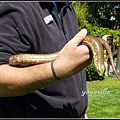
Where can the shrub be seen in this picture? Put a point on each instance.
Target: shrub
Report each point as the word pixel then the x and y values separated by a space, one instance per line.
pixel 91 73
pixel 100 31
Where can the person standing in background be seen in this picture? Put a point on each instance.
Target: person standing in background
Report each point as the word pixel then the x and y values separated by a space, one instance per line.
pixel 114 52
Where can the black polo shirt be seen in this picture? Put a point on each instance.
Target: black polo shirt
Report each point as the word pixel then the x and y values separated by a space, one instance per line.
pixel 34 27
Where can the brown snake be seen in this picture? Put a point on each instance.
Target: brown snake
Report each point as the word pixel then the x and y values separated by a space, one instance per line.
pixel 97 45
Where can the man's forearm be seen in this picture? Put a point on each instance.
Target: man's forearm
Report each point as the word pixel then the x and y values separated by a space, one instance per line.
pixel 16 81
pixel 19 81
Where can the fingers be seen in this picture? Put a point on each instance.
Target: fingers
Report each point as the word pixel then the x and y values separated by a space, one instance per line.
pixel 79 36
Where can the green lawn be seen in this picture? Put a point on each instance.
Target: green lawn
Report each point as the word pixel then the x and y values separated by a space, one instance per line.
pixel 104 98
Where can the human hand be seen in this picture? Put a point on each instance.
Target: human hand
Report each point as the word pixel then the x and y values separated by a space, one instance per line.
pixel 73 57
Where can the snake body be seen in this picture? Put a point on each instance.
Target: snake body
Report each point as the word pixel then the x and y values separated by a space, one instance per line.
pixel 31 59
pixel 97 46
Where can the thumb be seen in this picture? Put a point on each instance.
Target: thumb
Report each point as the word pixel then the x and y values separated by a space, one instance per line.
pixel 79 36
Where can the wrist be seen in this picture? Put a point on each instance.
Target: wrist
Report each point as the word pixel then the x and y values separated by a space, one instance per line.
pixel 62 69
pixel 54 72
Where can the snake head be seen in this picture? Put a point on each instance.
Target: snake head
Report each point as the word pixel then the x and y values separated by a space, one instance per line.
pixel 100 70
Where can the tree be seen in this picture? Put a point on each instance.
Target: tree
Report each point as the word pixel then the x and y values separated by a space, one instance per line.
pixel 82 15
pixel 105 14
pixel 102 14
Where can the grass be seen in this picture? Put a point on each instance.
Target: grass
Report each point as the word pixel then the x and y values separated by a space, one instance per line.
pixel 104 98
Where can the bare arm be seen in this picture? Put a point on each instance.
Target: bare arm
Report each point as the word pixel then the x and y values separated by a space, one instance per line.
pixel 19 81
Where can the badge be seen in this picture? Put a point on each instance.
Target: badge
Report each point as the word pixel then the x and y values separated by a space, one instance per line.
pixel 48 19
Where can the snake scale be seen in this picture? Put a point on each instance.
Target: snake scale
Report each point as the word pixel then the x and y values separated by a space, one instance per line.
pixel 97 45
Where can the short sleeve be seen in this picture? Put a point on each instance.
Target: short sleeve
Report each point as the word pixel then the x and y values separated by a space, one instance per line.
pixel 11 40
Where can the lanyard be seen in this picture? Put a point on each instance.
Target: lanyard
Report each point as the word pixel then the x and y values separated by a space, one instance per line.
pixel 56 7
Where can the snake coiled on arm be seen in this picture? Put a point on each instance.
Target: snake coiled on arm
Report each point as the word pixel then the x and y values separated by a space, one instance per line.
pixel 97 46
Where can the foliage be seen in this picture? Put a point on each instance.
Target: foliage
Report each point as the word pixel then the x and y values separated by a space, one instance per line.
pixel 110 14
pixel 91 73
pixel 95 16
pixel 103 98
pixel 102 14
pixel 100 31
pixel 82 14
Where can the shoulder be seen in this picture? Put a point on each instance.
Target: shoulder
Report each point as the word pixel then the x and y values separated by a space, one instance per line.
pixel 17 11
pixel 16 7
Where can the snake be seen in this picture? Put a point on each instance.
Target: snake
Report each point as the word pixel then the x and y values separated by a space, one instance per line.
pixel 96 44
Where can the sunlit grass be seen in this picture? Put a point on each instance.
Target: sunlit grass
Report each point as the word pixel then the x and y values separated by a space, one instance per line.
pixel 105 100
